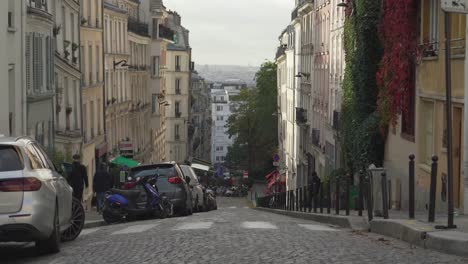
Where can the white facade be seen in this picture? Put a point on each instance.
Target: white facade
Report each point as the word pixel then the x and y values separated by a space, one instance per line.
pixel 13 94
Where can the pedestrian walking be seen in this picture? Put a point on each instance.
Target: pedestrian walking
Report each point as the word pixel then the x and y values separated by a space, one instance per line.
pixel 102 182
pixel 78 177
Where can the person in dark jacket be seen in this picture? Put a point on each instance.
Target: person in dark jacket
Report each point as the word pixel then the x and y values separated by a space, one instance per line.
pixel 102 182
pixel 78 177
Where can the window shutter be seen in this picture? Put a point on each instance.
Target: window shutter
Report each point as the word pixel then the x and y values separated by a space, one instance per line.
pixel 36 62
pixel 48 62
pixel 51 62
pixel 28 63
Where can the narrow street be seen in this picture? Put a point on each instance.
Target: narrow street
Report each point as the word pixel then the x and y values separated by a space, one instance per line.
pixel 232 234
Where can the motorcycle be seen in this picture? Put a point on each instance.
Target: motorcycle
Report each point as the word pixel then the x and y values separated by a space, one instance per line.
pixel 122 205
pixel 211 200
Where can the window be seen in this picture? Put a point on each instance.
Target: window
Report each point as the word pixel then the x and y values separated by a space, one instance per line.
pixel 155 65
pixel 98 64
pixel 91 112
pixel 458 33
pixel 11 8
pixel 219 108
pixel 40 132
pixel 430 24
pixel 153 103
pixel 220 118
pixel 217 158
pixel 33 156
pixel 90 64
pixel 176 132
pixel 428 131
pixel 99 117
pixel 10 160
pixel 85 122
pixel 177 86
pixel 48 164
pixel 177 63
pixel 177 109
pixel 77 104
pixel 407 120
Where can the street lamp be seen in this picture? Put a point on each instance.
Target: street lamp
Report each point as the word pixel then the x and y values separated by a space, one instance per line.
pixel 342 4
pixel 303 74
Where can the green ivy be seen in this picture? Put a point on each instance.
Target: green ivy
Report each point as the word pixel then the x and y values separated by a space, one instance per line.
pixel 360 135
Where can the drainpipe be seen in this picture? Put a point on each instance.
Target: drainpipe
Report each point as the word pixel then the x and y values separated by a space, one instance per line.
pixel 465 132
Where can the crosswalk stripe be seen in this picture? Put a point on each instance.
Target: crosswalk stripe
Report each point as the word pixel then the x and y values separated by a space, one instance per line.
pixel 194 225
pixel 134 229
pixel 88 231
pixel 232 207
pixel 258 225
pixel 317 227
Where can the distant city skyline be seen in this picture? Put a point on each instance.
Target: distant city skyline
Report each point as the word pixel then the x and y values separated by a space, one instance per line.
pixel 242 32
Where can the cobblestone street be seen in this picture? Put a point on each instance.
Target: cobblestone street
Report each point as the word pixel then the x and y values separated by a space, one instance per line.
pixel 232 234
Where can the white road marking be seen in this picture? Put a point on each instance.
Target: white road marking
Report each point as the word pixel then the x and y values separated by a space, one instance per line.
pixel 232 207
pixel 134 229
pixel 194 225
pixel 88 231
pixel 258 225
pixel 317 227
pixel 246 207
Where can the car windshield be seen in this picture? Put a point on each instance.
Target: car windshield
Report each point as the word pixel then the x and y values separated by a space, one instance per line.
pixel 163 171
pixel 10 160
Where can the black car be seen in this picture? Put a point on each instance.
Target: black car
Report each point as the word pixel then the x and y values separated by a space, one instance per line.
pixel 171 183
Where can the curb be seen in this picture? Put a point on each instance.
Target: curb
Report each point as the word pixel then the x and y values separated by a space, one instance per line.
pixel 411 231
pixel 337 220
pixel 92 224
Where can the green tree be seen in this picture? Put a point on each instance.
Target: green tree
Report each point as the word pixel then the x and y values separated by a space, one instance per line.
pixel 253 125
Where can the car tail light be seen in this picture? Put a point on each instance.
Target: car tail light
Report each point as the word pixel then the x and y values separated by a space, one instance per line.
pixel 174 180
pixel 129 185
pixel 20 185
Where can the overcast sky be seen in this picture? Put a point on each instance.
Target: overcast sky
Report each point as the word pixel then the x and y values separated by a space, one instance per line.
pixel 227 32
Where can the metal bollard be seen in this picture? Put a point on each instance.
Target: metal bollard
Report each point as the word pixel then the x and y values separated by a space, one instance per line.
pixel 316 194
pixel 360 196
pixel 321 198
pixel 311 196
pixel 337 196
pixel 296 206
pixel 370 213
pixel 304 196
pixel 348 177
pixel 384 195
pixel 329 196
pixel 432 191
pixel 411 186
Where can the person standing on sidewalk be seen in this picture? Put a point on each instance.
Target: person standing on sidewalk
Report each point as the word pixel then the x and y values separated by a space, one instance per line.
pixel 102 182
pixel 78 177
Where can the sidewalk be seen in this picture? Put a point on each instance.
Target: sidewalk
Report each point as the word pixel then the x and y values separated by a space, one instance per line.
pixel 93 219
pixel 417 232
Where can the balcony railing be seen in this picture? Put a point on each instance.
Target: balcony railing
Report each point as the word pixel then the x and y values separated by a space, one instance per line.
pixel 38 4
pixel 166 33
pixel 178 114
pixel 138 27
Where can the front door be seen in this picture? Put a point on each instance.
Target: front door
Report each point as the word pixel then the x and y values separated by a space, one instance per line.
pixel 456 135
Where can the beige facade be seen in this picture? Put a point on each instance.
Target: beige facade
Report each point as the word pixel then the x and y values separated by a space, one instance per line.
pixel 139 40
pixel 92 88
pixel 117 78
pixel 68 129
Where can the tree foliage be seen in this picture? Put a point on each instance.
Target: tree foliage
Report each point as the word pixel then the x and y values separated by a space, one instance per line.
pixel 253 125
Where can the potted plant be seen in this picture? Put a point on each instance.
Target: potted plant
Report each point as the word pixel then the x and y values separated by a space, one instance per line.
pixel 66 53
pixel 74 48
pixel 114 99
pixel 83 20
pixel 68 110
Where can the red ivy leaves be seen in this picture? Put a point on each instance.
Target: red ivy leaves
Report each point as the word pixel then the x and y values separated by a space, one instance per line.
pixel 398 30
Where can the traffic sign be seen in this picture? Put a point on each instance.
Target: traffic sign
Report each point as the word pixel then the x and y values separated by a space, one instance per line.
pixel 245 174
pixel 455 6
pixel 276 158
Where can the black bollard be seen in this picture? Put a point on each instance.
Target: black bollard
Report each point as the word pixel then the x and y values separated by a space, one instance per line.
pixel 384 195
pixel 296 199
pixel 432 191
pixel 411 186
pixel 337 195
pixel 321 198
pixel 311 195
pixel 368 193
pixel 360 195
pixel 329 196
pixel 348 182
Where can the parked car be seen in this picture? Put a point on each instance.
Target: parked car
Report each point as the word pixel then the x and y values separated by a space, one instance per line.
pixel 211 199
pixel 36 201
pixel 171 183
pixel 198 194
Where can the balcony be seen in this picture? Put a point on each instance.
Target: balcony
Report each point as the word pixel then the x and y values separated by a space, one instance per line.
pixel 301 115
pixel 40 8
pixel 138 27
pixel 316 137
pixel 336 120
pixel 280 51
pixel 166 33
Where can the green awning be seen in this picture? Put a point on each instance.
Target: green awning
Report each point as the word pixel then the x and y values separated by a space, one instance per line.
pixel 122 161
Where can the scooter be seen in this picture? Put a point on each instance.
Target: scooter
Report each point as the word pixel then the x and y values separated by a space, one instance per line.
pixel 122 205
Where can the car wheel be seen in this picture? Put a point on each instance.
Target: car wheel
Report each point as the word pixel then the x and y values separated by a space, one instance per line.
pixel 52 243
pixel 76 222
